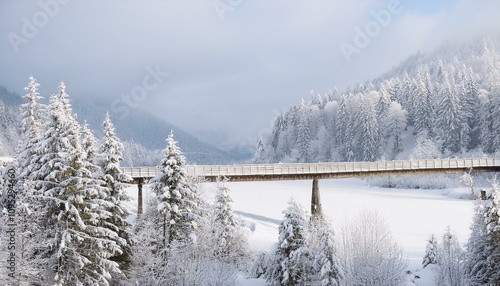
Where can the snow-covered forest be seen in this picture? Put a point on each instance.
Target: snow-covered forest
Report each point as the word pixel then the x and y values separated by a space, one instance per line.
pixel 64 223
pixel 439 104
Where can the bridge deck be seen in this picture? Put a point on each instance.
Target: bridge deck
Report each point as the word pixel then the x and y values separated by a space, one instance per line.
pixel 303 171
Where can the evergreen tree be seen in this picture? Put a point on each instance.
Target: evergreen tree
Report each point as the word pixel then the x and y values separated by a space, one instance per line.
pixel 492 221
pixel 303 134
pixel 260 153
pixel 31 128
pixel 422 102
pixel 342 121
pixel 109 156
pixel 225 226
pixel 450 120
pixel 431 252
pixel 471 105
pixel 407 96
pixel 73 242
pixel 175 195
pixel 476 257
pixel 451 261
pixel 326 260
pixel 89 143
pixel 290 265
pixel 396 125
pixel 486 112
pixel 30 114
pixel 369 129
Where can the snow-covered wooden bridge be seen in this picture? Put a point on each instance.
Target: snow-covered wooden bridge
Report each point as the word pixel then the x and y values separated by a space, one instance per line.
pixel 316 171
pixel 307 171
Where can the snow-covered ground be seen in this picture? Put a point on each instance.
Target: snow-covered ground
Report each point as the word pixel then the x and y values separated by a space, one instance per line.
pixel 412 215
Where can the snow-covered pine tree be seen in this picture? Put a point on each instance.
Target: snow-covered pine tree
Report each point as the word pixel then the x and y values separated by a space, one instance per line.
pixel 449 119
pixel 291 263
pixel 469 98
pixel 228 240
pixel 225 226
pixel 32 117
pixel 476 256
pixel 431 252
pixel 407 95
pixel 326 260
pixel 492 221
pixel 278 128
pixel 351 125
pixel 451 261
pixel 369 129
pixel 423 111
pixel 89 142
pixel 30 114
pixel 342 120
pixel 486 112
pixel 260 155
pixel 303 133
pixel 176 197
pixel 72 243
pixel 396 125
pixel 108 158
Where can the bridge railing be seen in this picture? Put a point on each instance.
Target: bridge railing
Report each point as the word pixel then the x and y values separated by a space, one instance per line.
pixel 321 168
pixel 338 167
pixel 141 172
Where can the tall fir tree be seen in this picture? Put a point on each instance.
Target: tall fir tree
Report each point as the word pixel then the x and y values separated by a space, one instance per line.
pixel 423 109
pixel 396 125
pixel 291 263
pixel 492 221
pixel 303 133
pixel 231 244
pixel 431 252
pixel 108 157
pixel 32 117
pixel 73 243
pixel 450 120
pixel 450 260
pixel 369 130
pixel 31 110
pixel 176 197
pixel 89 142
pixel 477 253
pixel 326 258
pixel 471 105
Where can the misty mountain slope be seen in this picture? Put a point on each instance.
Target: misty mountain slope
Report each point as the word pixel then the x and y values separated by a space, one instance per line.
pixel 445 103
pixel 150 131
pixel 143 134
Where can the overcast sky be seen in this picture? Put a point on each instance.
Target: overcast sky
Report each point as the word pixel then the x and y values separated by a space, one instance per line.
pixel 224 68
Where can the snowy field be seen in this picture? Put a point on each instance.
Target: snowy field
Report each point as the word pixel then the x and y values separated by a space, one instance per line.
pixel 412 215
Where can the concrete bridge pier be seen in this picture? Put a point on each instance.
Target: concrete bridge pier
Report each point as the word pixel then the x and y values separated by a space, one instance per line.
pixel 139 182
pixel 315 199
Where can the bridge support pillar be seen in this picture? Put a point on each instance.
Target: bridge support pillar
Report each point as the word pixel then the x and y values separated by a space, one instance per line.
pixel 315 199
pixel 139 182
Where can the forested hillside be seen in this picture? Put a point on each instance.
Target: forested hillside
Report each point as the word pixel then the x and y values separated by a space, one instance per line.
pixel 440 104
pixel 143 134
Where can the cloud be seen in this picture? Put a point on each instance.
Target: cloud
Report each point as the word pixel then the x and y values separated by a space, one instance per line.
pixel 226 75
